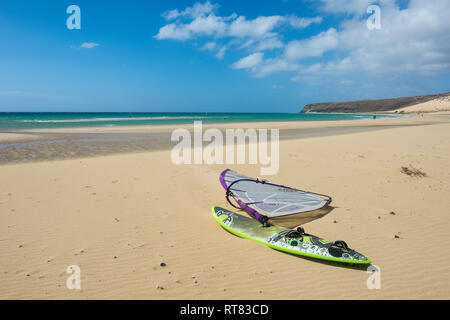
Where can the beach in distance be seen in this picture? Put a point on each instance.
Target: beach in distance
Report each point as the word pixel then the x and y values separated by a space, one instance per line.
pixel 110 200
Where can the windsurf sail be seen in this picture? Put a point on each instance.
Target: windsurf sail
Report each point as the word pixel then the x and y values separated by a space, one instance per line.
pixel 265 200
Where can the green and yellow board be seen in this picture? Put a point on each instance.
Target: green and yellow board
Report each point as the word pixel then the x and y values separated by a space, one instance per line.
pixel 282 239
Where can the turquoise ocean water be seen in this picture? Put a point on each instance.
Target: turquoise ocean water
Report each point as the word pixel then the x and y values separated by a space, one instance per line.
pixel 28 120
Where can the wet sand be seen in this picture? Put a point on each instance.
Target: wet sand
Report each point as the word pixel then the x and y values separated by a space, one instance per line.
pixel 68 143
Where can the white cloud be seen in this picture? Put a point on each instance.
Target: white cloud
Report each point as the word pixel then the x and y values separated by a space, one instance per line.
pixel 269 66
pixel 210 25
pixel 88 45
pixel 209 46
pixel 249 61
pixel 201 21
pixel 301 23
pixel 213 46
pixel 216 26
pixel 312 47
pixel 173 31
pixel 269 44
pixel 414 40
pixel 257 28
pixel 197 10
pixel 221 52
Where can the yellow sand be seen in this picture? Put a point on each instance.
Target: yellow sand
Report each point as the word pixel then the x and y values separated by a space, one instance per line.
pixel 118 217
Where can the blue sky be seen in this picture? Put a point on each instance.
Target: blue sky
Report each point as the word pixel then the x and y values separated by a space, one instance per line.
pixel 218 56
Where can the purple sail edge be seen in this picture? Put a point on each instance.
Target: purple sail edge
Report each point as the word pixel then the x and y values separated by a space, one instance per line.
pixel 252 211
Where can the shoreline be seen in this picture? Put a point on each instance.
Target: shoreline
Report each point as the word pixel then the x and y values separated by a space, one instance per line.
pixel 83 142
pixel 82 123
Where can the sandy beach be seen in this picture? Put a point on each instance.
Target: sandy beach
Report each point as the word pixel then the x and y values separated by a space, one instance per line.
pixel 119 214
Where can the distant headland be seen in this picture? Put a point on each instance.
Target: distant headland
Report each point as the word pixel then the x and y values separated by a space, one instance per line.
pixel 416 104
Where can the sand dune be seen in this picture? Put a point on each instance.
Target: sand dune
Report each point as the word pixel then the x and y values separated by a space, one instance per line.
pixel 119 217
pixel 439 105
